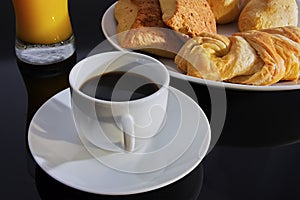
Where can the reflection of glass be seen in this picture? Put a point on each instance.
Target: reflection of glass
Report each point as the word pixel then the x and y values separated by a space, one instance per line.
pixel 44 82
pixel 41 84
pixel 43 30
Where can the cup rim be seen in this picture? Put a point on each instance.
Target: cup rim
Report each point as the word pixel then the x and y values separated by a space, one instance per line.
pixel 79 65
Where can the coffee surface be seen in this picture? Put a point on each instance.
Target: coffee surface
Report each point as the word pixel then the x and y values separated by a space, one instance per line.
pixel 119 86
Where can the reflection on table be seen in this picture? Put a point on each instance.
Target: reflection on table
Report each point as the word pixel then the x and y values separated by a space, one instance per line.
pixel 42 82
pixel 188 188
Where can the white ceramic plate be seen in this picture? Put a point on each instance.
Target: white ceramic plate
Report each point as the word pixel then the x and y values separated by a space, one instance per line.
pixel 57 148
pixel 109 28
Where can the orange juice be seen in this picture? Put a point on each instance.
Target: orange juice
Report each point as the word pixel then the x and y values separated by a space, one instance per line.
pixel 42 21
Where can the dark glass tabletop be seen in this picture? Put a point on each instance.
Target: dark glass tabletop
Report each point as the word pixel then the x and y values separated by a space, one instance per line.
pixel 254 153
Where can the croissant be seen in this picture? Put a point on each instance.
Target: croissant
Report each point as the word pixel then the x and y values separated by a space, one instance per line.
pixel 253 57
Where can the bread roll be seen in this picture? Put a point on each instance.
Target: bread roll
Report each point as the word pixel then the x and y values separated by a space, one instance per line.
pixel 262 14
pixel 190 17
pixel 226 11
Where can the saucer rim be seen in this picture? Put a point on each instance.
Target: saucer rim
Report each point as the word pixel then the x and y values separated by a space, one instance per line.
pixel 177 176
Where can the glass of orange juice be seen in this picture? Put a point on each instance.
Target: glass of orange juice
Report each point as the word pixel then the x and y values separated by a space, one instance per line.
pixel 43 31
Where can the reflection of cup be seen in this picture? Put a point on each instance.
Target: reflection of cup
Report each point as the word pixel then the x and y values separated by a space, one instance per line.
pixel 187 188
pixel 43 30
pixel 116 125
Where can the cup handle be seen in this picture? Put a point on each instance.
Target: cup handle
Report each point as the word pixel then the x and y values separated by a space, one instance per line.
pixel 127 124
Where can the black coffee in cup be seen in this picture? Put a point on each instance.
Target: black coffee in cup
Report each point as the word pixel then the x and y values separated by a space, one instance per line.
pixel 119 86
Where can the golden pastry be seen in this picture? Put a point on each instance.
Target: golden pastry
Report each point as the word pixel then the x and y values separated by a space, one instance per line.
pixel 251 57
pixel 226 11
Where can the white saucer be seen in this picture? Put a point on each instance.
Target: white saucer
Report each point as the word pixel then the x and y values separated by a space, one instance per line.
pixel 57 148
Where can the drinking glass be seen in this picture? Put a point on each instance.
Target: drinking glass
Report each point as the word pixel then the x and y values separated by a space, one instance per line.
pixel 43 31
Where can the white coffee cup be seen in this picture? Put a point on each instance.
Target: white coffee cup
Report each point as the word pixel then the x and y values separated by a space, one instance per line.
pixel 119 125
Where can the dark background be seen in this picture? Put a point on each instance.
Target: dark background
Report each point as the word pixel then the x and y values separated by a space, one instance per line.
pixel 256 157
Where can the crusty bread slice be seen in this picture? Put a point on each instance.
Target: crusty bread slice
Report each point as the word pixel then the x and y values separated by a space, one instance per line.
pixel 140 27
pixel 190 17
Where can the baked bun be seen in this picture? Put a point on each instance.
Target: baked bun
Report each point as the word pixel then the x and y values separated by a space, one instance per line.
pixel 140 27
pixel 190 17
pixel 259 14
pixel 226 11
